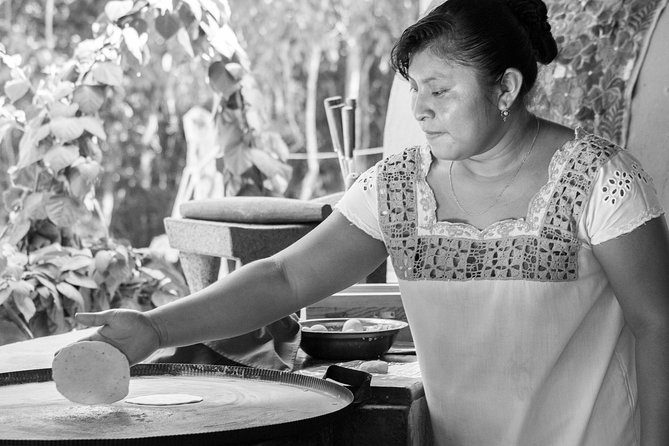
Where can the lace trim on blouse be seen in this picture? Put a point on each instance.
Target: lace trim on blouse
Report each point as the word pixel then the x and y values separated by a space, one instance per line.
pixel 542 247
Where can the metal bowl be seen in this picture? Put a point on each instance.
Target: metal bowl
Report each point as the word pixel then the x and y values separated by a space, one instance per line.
pixel 374 340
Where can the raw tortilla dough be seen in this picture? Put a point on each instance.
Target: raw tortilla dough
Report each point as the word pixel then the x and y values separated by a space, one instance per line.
pixel 91 372
pixel 164 399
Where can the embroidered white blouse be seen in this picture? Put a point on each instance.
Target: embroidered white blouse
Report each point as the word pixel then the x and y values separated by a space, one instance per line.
pixel 520 338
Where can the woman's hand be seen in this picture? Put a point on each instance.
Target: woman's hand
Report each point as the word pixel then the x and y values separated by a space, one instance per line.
pixel 130 331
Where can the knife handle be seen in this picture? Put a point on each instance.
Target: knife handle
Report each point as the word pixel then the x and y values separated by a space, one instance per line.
pixel 348 130
pixel 334 118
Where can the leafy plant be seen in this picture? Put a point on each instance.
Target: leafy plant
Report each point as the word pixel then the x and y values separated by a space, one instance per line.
pixel 42 291
pixel 53 122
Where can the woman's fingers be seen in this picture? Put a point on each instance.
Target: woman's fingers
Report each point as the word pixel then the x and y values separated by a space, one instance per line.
pixel 128 330
pixel 94 319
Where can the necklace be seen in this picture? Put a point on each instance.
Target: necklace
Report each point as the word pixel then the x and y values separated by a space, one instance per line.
pixel 506 186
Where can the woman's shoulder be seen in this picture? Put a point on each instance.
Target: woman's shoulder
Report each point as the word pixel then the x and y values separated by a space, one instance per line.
pixel 407 161
pixel 588 151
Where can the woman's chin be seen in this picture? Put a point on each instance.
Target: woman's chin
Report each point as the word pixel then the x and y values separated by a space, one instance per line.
pixel 444 152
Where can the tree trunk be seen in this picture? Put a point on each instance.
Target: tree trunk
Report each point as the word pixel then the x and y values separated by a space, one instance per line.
pixel 289 100
pixel 48 24
pixel 8 15
pixel 311 177
pixel 353 62
pixel 363 133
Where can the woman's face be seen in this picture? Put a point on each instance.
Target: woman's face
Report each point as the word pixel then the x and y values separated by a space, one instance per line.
pixel 458 114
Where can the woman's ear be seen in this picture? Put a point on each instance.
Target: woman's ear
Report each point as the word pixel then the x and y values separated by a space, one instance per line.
pixel 509 88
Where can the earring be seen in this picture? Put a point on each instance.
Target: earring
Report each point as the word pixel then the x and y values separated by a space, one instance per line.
pixel 504 113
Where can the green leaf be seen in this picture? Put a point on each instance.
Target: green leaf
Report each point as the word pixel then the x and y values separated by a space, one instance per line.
pixel 47 270
pixel 139 25
pixel 268 165
pixel 75 263
pixel 60 157
pixel 13 197
pixel 167 24
pixel 22 288
pixel 224 41
pixel 79 280
pixel 48 284
pixel 161 297
pixel 5 291
pixel 221 80
pixel 12 61
pixel 52 254
pixel 17 230
pixel 134 43
pixel 15 89
pixel 66 129
pixel 237 159
pixel 33 206
pixel 89 97
pixel 162 5
pixel 117 9
pixel 184 40
pixel 71 293
pixel 63 210
pixel 56 315
pixel 82 176
pixel 6 126
pixel 63 89
pixel 94 126
pixel 89 170
pixel 92 150
pixel 214 10
pixel 58 109
pixel 195 8
pixel 229 134
pixel 29 152
pixel 22 294
pixel 26 306
pixel 43 292
pixel 235 70
pixel 155 274
pixel 107 73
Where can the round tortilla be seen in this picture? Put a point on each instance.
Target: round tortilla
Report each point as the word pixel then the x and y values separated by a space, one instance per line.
pixel 91 372
pixel 164 399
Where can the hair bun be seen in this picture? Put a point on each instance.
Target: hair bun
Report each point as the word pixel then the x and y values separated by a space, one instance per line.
pixel 533 15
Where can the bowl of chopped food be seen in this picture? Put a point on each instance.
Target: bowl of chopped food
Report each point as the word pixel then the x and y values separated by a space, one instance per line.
pixel 349 338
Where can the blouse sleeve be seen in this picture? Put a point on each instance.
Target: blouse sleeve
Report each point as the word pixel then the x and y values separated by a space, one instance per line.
pixel 360 204
pixel 623 198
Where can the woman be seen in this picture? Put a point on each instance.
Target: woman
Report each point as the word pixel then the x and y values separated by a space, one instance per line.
pixel 531 258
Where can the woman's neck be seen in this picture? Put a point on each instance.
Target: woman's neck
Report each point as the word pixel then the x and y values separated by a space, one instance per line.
pixel 510 151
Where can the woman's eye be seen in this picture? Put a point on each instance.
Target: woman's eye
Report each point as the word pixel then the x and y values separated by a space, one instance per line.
pixel 413 88
pixel 439 92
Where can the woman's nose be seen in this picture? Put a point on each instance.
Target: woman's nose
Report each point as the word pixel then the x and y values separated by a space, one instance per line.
pixel 421 108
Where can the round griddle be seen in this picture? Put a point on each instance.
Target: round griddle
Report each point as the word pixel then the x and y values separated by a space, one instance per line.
pixel 239 404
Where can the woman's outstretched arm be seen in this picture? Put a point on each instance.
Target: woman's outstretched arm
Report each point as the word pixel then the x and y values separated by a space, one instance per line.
pixel 334 255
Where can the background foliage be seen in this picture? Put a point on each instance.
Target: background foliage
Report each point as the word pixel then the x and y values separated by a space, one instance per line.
pixel 146 153
pixel 135 151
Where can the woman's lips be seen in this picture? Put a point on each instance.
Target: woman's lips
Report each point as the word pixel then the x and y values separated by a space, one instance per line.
pixel 433 134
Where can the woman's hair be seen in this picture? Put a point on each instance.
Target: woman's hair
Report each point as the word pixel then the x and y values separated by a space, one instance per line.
pixel 487 35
